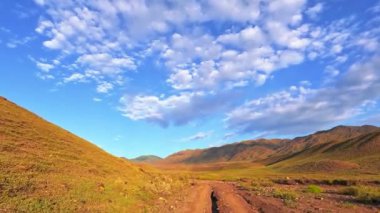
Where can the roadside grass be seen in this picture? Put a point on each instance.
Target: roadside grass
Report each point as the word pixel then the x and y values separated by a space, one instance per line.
pixel 289 197
pixel 363 194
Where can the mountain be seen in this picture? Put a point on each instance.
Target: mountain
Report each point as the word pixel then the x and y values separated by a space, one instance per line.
pixel 146 159
pixel 340 147
pixel 45 168
pixel 251 150
pixel 358 149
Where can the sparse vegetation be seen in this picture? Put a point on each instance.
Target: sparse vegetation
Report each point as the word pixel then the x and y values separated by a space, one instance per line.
pixel 352 190
pixel 363 194
pixel 289 197
pixel 44 168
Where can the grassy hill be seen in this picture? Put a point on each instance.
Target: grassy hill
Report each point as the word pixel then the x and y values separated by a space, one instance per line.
pixel 340 148
pixel 45 168
pixel 146 159
pixel 360 152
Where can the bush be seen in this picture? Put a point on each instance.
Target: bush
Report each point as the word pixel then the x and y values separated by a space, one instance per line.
pixel 353 191
pixel 314 189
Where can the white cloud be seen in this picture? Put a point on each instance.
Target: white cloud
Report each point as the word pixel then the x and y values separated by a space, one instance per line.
pixel 282 35
pixel 44 66
pixel 331 71
pixel 108 37
pixel 229 135
pixel 106 63
pixel 16 42
pixel 155 109
pixel 312 12
pixel 301 109
pixel 248 37
pixel 175 109
pixel 286 11
pixel 97 99
pixel 104 87
pixel 369 44
pixel 40 2
pixel 206 48
pixel 198 136
pixel 76 77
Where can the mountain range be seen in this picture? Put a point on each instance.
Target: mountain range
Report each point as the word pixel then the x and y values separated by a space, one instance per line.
pixel 339 148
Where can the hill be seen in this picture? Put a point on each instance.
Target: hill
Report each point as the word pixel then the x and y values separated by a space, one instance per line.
pixel 342 147
pixel 252 150
pixel 45 168
pixel 146 159
pixel 361 152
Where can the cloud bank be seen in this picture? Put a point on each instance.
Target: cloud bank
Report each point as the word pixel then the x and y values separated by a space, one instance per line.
pixel 210 50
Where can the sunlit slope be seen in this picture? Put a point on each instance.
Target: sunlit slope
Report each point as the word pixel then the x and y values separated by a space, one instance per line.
pixel 44 167
pixel 341 148
pixel 361 153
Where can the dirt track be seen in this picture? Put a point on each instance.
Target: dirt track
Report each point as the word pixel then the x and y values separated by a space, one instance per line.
pixel 212 197
pixel 226 197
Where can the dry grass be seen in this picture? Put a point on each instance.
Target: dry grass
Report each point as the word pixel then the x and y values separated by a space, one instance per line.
pixel 45 168
pixel 363 194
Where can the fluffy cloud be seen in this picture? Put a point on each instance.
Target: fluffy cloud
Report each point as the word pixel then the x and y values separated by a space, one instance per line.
pixel 301 109
pixel 198 136
pixel 104 87
pixel 107 37
pixel 175 109
pixel 208 49
pixel 312 12
pixel 44 66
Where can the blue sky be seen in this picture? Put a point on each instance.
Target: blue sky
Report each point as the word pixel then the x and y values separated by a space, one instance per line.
pixel 156 77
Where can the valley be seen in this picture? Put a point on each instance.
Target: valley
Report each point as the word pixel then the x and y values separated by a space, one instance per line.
pixel 45 168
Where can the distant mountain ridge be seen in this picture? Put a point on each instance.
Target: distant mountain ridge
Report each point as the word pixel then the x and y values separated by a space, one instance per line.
pixel 146 159
pixel 339 146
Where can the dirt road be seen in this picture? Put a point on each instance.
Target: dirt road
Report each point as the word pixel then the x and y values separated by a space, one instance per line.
pixel 214 197
pixel 226 197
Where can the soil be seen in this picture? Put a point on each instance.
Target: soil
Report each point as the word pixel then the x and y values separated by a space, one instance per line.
pixel 227 197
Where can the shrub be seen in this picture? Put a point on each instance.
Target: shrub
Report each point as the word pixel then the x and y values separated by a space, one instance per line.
pixel 314 189
pixel 288 197
pixel 353 191
pixel 341 182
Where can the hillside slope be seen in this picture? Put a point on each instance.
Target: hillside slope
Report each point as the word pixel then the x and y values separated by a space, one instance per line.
pixel 342 147
pixel 46 168
pixel 361 153
pixel 320 139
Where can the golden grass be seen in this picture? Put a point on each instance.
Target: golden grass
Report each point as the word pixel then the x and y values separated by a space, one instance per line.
pixel 45 168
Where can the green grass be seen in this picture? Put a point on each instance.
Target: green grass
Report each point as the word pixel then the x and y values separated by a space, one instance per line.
pixel 314 189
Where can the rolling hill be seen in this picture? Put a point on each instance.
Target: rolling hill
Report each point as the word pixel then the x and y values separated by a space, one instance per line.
pixel 340 148
pixel 45 168
pixel 359 152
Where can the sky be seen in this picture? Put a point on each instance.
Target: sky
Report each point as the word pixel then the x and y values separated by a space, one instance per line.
pixel 142 77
